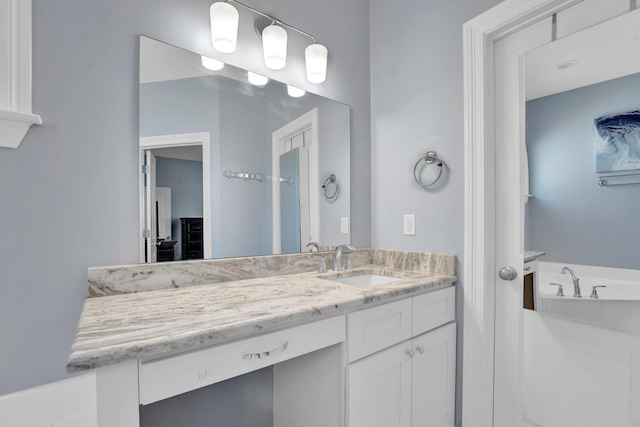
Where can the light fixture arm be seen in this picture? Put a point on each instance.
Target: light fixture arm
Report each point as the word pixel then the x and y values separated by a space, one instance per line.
pixel 274 20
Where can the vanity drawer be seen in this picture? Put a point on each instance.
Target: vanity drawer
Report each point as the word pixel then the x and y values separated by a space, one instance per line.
pixel 163 378
pixel 433 309
pixel 379 327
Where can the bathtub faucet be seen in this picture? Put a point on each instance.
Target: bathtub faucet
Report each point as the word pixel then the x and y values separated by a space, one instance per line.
pixel 576 282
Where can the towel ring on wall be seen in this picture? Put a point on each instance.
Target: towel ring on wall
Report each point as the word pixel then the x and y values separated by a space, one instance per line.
pixel 329 194
pixel 431 158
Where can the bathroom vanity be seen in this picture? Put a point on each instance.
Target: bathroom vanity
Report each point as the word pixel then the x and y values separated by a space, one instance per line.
pixel 355 354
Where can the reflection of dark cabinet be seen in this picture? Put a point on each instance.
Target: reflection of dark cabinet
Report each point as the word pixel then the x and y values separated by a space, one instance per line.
pixel 165 250
pixel 192 244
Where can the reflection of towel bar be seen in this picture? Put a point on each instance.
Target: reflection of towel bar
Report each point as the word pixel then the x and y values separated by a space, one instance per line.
pixel 620 179
pixel 288 180
pixel 243 175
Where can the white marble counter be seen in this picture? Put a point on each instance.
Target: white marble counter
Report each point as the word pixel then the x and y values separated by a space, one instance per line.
pixel 157 323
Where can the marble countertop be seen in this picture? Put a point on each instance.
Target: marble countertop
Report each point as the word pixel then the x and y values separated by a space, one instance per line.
pixel 151 324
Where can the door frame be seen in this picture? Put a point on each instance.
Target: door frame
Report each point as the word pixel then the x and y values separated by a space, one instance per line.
pixel 479 36
pixel 307 121
pixel 180 140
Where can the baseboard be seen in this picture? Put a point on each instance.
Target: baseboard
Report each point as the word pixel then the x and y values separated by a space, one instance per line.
pixel 66 403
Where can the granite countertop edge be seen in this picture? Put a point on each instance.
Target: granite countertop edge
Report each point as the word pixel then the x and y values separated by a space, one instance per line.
pixel 105 337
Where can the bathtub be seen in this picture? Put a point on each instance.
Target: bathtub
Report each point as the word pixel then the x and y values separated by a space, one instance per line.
pixel 617 306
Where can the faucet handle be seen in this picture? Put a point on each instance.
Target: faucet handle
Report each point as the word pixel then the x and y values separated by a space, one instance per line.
pixel 594 290
pixel 313 245
pixel 349 266
pixel 560 293
pixel 322 267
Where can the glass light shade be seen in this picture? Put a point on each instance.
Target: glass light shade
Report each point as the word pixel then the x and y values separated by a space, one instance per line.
pixel 295 92
pixel 211 63
pixel 224 27
pixel 274 44
pixel 257 79
pixel 315 56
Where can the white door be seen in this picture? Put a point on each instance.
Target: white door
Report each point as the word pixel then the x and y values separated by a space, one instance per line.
pixel 379 389
pixel 434 378
pixel 299 133
pixel 163 200
pixel 509 190
pixel 150 203
pixel 494 117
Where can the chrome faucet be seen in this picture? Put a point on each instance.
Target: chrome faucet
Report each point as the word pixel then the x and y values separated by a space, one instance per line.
pixel 576 282
pixel 312 245
pixel 337 259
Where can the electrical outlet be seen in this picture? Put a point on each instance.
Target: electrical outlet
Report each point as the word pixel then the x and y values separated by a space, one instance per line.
pixel 344 225
pixel 409 225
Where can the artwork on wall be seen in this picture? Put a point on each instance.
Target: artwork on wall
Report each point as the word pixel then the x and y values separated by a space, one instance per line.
pixel 618 142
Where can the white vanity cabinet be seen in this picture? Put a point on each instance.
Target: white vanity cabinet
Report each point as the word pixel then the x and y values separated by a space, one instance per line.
pixel 389 365
pixel 412 382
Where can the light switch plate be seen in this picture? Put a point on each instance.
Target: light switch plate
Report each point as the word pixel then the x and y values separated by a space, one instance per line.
pixel 409 225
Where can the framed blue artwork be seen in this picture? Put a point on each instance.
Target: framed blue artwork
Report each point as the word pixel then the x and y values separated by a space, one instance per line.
pixel 618 142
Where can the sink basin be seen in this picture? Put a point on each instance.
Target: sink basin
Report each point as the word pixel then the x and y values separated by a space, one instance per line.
pixel 364 280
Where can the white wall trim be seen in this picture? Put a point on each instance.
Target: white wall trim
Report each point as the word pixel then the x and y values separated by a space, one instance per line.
pixel 15 73
pixel 68 403
pixel 479 37
pixel 177 140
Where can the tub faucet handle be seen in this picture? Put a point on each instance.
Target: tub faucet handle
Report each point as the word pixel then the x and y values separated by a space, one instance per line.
pixel 594 291
pixel 560 293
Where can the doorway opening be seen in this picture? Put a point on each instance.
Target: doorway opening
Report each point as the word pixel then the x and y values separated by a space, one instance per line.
pixel 175 197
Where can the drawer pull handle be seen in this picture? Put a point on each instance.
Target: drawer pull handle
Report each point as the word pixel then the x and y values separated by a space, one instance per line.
pixel 264 354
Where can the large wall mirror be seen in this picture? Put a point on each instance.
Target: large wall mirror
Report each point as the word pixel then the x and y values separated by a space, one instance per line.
pixel 591 228
pixel 236 168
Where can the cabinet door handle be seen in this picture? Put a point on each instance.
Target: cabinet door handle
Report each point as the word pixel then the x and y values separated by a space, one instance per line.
pixel 420 349
pixel 409 352
pixel 264 354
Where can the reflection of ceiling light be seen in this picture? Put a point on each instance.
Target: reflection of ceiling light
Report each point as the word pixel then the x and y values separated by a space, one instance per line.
pixel 566 64
pixel 224 27
pixel 256 79
pixel 224 36
pixel 212 64
pixel 295 92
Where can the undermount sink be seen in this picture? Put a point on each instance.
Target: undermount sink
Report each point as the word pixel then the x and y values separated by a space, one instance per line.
pixel 364 280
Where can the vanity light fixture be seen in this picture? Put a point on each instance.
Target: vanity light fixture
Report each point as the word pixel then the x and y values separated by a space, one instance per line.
pixel 257 79
pixel 274 45
pixel 295 92
pixel 211 63
pixel 224 34
pixel 224 27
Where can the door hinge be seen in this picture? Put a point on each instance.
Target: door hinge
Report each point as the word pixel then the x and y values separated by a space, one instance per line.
pixel 146 233
pixel 145 169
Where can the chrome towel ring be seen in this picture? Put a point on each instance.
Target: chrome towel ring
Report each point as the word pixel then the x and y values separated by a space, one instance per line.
pixel 431 158
pixel 330 193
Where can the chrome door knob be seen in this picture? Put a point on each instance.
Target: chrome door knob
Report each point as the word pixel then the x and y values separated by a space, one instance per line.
pixel 508 273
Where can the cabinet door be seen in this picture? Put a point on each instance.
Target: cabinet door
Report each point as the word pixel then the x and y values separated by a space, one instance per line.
pixel 379 389
pixel 434 372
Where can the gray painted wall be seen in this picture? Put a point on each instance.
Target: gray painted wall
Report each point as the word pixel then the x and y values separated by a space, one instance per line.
pixel 69 193
pixel 570 217
pixel 416 106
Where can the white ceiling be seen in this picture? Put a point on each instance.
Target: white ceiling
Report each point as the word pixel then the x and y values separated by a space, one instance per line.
pixel 604 52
